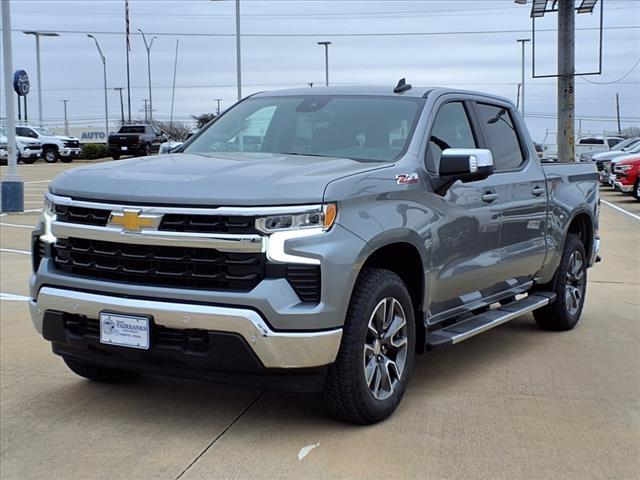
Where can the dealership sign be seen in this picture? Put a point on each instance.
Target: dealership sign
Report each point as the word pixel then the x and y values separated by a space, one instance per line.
pixel 21 83
pixel 88 134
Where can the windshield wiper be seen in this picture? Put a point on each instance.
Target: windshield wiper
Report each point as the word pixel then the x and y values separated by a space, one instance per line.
pixel 303 154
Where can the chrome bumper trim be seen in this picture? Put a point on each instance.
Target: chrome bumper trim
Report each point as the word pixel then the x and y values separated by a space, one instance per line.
pixel 274 349
pixel 147 209
pixel 219 241
pixel 595 251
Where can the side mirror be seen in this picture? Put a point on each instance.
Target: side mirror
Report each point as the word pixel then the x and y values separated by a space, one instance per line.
pixel 465 164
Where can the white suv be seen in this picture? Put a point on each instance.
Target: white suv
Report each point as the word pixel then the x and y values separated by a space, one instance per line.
pixel 54 146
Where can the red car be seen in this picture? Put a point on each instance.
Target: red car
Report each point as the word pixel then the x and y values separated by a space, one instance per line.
pixel 627 172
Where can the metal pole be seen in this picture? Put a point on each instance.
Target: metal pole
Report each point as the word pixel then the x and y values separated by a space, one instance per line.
pixel 238 59
pixel 566 80
pixel 39 80
pixel 518 96
pixel 66 124
pixel 12 186
pixel 148 47
pixel 146 113
pixel 106 103
pixel 523 41
pixel 618 112
pixel 173 89
pixel 218 108
pixel 119 89
pixel 326 61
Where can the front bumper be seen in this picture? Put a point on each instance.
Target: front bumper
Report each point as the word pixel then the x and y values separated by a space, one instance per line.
pixel 28 153
pixel 618 185
pixel 274 349
pixel 69 152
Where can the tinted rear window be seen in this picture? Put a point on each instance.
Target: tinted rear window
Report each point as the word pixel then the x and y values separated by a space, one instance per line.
pixel 131 129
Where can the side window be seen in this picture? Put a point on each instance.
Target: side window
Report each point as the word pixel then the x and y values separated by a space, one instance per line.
pixel 25 132
pixel 451 129
pixel 501 136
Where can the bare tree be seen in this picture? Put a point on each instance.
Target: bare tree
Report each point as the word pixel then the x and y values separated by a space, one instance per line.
pixel 631 132
pixel 175 130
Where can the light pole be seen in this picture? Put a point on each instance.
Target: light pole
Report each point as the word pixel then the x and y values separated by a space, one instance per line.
pixel 66 124
pixel 326 61
pixel 218 100
pixel 148 47
pixel 12 185
pixel 523 41
pixel 106 103
pixel 39 34
pixel 119 90
pixel 238 49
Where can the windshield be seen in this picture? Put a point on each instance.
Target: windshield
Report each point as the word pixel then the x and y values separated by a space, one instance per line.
pixel 357 127
pixel 630 145
pixel 43 131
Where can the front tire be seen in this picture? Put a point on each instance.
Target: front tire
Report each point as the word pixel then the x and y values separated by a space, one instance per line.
pixel 636 189
pixel 50 155
pixel 28 160
pixel 99 374
pixel 366 383
pixel 68 159
pixel 570 285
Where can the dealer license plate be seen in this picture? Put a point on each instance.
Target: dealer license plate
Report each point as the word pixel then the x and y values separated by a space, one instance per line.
pixel 124 330
pixel 124 148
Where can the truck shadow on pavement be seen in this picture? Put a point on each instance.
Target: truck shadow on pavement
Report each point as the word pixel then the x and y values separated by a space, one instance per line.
pixel 160 399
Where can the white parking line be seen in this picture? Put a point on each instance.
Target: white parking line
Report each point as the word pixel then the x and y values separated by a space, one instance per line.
pixel 11 250
pixel 37 181
pixel 2 224
pixel 12 296
pixel 632 215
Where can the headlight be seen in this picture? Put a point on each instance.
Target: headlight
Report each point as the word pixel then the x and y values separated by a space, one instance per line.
pixel 322 218
pixel 48 216
pixel 624 168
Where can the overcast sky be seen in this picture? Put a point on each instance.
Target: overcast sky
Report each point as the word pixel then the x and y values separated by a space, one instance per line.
pixel 279 51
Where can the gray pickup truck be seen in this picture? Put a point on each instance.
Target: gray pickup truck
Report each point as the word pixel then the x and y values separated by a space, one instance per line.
pixel 357 228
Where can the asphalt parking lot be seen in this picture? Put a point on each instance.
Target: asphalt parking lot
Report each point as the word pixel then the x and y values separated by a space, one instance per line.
pixel 514 403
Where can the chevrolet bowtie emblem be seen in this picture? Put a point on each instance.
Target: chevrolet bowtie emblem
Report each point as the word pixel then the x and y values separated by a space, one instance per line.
pixel 133 220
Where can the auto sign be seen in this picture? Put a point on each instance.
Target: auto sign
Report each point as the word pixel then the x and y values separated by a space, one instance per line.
pixel 21 83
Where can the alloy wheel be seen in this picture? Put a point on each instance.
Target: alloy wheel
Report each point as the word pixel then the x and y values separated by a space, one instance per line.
pixel 574 283
pixel 385 348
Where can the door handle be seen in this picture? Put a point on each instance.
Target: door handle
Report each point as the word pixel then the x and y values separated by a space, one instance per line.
pixel 489 197
pixel 537 191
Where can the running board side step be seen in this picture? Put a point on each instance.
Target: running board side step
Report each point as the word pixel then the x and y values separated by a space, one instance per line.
pixel 471 327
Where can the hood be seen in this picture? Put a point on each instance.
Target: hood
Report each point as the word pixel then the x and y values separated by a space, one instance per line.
pixel 608 155
pixel 28 140
pixel 223 179
pixel 65 138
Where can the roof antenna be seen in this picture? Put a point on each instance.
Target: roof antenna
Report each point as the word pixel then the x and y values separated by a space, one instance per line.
pixel 402 86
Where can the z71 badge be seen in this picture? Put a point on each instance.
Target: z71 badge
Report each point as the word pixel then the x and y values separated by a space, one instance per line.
pixel 405 179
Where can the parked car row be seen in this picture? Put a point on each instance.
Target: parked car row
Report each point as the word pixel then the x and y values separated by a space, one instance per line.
pixel 33 143
pixel 620 167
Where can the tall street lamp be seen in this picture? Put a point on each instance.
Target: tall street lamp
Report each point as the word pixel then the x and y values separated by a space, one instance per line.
pixel 148 47
pixel 39 34
pixel 106 104
pixel 238 49
pixel 326 61
pixel 523 41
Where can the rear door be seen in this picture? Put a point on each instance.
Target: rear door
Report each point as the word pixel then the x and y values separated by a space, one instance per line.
pixel 520 187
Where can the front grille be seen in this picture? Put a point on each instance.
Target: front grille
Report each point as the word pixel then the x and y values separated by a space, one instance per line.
pixel 208 223
pixel 82 215
pixel 184 267
pixel 33 147
pixel 72 143
pixel 305 280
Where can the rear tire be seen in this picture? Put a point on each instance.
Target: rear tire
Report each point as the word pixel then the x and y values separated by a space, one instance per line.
pixel 99 374
pixel 570 285
pixel 371 372
pixel 28 160
pixel 115 156
pixel 50 155
pixel 146 151
pixel 66 159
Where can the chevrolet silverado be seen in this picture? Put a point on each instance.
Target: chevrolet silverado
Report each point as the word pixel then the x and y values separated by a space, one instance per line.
pixel 357 227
